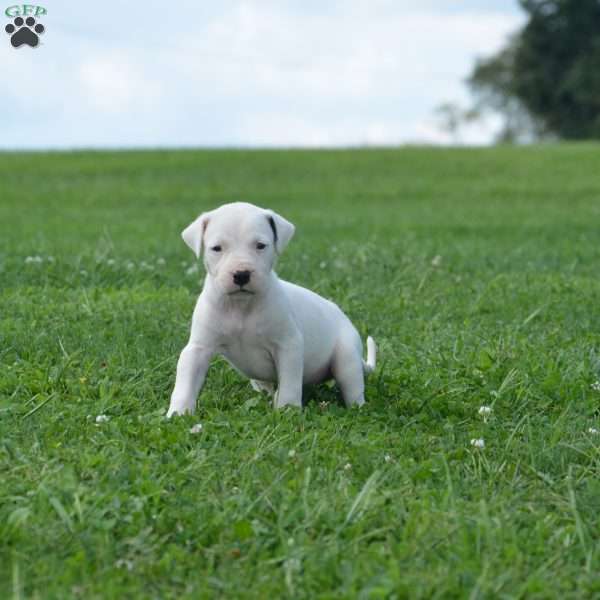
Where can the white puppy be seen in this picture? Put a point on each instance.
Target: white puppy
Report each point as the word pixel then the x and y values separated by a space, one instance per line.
pixel 270 330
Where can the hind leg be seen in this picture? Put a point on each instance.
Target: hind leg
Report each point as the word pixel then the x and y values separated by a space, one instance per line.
pixel 347 369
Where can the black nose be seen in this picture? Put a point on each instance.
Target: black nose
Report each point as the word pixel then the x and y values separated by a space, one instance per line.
pixel 241 277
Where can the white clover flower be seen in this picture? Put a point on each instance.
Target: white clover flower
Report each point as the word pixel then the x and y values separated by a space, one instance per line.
pixel 485 411
pixel 347 467
pixel 160 261
pixel 593 431
pixel 197 428
pixel 436 261
pixel 387 458
pixel 83 273
pixel 101 418
pixel 51 259
pixel 110 262
pixel 235 489
pixel 596 386
pixel 291 453
pixel 478 443
pixel 130 265
pixel 33 259
pixel 192 270
pixel 124 564
pixel 291 541
pixel 322 264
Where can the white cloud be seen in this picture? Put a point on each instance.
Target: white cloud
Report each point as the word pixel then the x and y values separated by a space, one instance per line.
pixel 246 73
pixel 114 83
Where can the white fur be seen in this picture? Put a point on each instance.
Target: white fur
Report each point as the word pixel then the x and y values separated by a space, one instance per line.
pixel 272 331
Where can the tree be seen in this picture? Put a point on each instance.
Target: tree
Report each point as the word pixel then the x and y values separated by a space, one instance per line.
pixel 546 81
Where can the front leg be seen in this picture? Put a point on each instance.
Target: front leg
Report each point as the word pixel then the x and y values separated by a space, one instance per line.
pixel 290 371
pixel 191 371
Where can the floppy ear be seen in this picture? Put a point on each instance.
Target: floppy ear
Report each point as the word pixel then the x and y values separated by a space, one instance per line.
pixel 283 230
pixel 193 234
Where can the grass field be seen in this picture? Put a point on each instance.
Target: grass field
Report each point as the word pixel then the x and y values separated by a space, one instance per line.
pixel 477 272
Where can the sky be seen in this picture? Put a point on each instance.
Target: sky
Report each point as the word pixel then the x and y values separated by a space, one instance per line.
pixel 238 73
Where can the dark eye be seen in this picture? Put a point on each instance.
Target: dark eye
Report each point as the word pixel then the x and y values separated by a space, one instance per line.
pixel 216 248
pixel 260 246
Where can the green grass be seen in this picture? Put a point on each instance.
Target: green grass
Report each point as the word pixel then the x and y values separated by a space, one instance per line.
pixel 391 501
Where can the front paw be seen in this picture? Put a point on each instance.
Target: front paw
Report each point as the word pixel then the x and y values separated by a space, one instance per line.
pixel 180 408
pixel 281 401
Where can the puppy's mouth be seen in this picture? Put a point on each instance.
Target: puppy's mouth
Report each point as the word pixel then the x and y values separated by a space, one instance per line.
pixel 241 292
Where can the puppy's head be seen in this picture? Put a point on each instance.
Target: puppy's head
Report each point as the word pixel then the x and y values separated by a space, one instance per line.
pixel 240 243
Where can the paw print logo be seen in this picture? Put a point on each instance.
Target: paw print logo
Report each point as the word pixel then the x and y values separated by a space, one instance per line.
pixel 24 32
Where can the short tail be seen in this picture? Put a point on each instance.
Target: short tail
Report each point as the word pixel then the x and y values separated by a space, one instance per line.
pixel 369 364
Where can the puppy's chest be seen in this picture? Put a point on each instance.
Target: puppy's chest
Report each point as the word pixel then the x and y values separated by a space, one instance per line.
pixel 247 347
